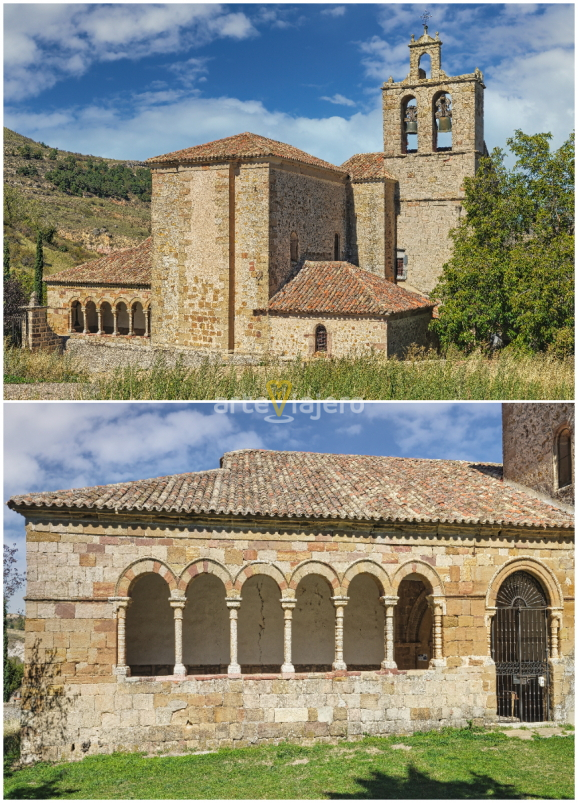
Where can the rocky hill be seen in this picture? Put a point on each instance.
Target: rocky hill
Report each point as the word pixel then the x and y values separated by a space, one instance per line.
pixel 78 224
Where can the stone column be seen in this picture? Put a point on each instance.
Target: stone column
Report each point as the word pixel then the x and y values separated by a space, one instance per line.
pixel 99 314
pixel 71 328
pixel 115 321
pixel 488 619
pixel 130 321
pixel 177 604
pixel 554 622
pixel 85 330
pixel 287 604
pixel 437 605
pixel 340 603
pixel 120 606
pixel 233 605
pixel 147 317
pixel 389 603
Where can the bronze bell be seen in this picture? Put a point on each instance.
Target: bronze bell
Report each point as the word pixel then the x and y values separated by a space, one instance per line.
pixel 411 127
pixel 445 124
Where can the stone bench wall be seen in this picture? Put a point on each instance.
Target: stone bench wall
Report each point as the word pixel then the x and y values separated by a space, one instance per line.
pixel 103 715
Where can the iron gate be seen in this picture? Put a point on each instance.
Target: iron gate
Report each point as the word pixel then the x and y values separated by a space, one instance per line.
pixel 520 649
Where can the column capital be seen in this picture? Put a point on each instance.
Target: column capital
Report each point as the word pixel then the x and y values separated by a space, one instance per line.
pixel 177 604
pixel 232 604
pixel 288 603
pixel 389 600
pixel 339 601
pixel 437 602
pixel 120 602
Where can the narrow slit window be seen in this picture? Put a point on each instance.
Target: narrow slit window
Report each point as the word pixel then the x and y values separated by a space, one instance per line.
pixel 321 338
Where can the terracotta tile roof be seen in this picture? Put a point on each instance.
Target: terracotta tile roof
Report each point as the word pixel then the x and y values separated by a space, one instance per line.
pixel 246 146
pixel 340 287
pixel 365 166
pixel 254 482
pixel 126 267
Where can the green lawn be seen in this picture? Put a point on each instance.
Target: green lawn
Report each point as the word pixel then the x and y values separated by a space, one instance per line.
pixel 453 764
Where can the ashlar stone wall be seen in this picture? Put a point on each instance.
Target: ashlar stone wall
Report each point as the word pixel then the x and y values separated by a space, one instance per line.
pixel 190 276
pixel 372 226
pixel 89 585
pixel 530 446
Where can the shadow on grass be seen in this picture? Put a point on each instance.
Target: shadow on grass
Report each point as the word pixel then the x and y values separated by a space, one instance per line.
pixel 419 786
pixel 47 790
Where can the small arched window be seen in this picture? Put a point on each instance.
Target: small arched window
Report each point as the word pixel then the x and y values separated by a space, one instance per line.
pixel 336 248
pixel 564 458
pixel 294 247
pixel 424 66
pixel 320 338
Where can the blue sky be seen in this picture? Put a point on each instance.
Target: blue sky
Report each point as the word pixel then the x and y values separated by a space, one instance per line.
pixel 137 80
pixel 52 446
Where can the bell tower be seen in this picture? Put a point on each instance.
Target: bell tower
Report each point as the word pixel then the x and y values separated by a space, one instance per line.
pixel 433 137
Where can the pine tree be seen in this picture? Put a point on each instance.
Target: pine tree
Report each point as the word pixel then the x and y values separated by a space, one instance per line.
pixel 6 260
pixel 39 269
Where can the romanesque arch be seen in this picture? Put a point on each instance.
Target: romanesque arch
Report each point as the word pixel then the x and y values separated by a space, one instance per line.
pixel 314 584
pixel 534 567
pixel 205 566
pixel 260 567
pixel 150 632
pixel 418 567
pixel 316 567
pixel 143 566
pixel 376 570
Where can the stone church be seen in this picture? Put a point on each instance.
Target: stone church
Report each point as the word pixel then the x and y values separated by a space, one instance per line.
pixel 259 248
pixel 303 596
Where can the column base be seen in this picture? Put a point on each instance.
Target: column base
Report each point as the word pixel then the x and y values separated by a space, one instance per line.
pixel 234 669
pixel 180 669
pixel 339 665
pixel 121 671
pixel 287 668
pixel 388 665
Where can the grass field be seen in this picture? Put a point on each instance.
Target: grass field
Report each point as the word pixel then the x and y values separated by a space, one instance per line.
pixel 371 377
pixel 451 764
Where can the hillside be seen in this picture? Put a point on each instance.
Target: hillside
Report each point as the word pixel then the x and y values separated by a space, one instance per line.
pixel 78 227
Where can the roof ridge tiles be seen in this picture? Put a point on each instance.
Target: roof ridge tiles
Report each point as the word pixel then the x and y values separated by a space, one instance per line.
pixel 290 484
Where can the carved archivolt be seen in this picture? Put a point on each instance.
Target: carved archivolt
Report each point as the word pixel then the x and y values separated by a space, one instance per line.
pixel 534 567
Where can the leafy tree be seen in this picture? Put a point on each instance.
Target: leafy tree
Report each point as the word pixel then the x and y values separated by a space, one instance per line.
pixel 13 579
pixel 14 299
pixel 25 151
pixel 39 269
pixel 511 271
pixel 6 259
pixel 53 154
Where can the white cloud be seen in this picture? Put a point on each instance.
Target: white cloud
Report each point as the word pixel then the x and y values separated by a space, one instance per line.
pixel 451 431
pixel 45 43
pixel 340 100
pixel 336 11
pixel 354 429
pixel 140 130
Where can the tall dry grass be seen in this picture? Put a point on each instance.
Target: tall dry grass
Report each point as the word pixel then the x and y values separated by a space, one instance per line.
pixel 423 376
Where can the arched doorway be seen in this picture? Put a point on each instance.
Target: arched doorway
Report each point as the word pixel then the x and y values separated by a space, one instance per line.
pixel 206 648
pixel 363 625
pixel 260 626
pixel 520 649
